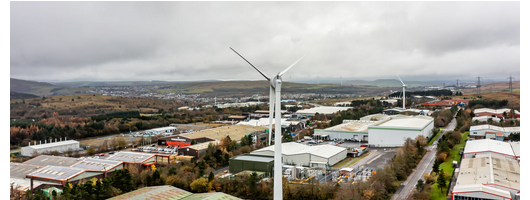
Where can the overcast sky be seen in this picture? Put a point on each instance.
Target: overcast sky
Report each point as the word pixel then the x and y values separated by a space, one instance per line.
pixel 72 41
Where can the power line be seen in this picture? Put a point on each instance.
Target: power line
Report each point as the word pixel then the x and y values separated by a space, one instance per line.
pixel 478 85
pixel 510 98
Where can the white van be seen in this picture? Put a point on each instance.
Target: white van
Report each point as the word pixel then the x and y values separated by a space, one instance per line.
pixel 308 138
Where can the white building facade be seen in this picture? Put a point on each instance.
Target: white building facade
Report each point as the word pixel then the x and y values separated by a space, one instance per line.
pixel 68 145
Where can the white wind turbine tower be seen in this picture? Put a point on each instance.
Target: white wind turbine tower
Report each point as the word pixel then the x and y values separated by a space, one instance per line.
pixel 341 80
pixel 275 100
pixel 403 91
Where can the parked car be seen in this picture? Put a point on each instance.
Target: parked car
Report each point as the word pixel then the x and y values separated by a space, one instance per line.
pixel 112 152
pixel 101 154
pixel 152 145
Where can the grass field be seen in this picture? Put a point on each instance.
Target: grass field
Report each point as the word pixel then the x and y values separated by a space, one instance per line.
pixel 430 143
pixel 447 166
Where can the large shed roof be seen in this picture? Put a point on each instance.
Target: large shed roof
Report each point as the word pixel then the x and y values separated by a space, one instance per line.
pixel 53 144
pixel 56 173
pixel 19 170
pixel 44 160
pixel 325 151
pixel 165 192
pixel 97 164
pixel 321 110
pixel 131 157
pixel 406 122
pixel 488 145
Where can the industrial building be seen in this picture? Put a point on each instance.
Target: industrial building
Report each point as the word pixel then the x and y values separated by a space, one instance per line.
pixel 196 150
pixel 499 113
pixel 516 147
pixel 310 156
pixel 134 159
pixel 69 145
pixel 59 175
pixel 44 160
pixel 320 110
pixel 181 141
pixel 485 119
pixel 248 162
pixel 99 165
pixel 487 176
pixel 168 192
pixel 162 130
pixel 393 131
pixel 356 130
pixel 487 146
pixel 480 131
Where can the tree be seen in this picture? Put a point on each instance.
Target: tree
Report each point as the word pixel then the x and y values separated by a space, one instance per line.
pixel 122 180
pixel 199 185
pixel 441 180
pixel 211 177
pixel 435 166
pixel 90 151
pixel 420 185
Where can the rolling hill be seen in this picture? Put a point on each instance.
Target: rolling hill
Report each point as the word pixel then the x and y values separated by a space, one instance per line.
pixel 390 83
pixel 18 95
pixel 42 89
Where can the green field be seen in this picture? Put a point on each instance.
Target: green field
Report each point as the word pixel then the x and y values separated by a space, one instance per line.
pixel 437 134
pixel 447 166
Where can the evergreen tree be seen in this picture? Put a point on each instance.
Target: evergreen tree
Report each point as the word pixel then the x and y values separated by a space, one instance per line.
pixel 435 166
pixel 211 177
pixel 441 180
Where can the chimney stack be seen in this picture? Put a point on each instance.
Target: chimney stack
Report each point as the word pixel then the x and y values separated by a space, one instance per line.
pixel 29 144
pixel 40 141
pixel 55 139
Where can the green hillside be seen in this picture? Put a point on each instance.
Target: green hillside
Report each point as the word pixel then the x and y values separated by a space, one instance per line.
pixel 42 89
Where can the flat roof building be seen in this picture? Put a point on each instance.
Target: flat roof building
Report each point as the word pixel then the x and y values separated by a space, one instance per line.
pixel 349 129
pixel 99 165
pixel 62 146
pixel 487 176
pixel 479 131
pixel 312 156
pixel 44 160
pixel 249 162
pixel 487 146
pixel 196 150
pixel 168 192
pixel 162 130
pixel 493 112
pixel 393 131
pixel 321 110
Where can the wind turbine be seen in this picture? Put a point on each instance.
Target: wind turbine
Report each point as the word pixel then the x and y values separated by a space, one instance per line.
pixel 403 91
pixel 275 102
pixel 341 80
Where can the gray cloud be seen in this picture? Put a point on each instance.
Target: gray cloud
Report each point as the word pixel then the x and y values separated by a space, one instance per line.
pixel 62 41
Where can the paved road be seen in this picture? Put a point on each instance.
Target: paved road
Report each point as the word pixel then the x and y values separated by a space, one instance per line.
pixel 424 166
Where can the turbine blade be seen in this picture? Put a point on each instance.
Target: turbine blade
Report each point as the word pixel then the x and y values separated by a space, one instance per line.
pixel 263 74
pixel 283 72
pixel 400 79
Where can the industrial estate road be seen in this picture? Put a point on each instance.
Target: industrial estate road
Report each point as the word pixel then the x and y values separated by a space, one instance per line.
pixel 424 166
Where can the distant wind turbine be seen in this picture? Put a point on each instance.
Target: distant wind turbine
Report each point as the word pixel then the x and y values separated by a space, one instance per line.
pixel 403 91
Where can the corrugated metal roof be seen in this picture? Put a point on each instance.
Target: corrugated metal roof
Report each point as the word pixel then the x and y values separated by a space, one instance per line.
pixel 97 164
pixel 165 192
pixel 481 188
pixel 254 158
pixel 325 151
pixel 406 122
pixel 56 172
pixel 485 145
pixel 44 160
pixel 53 144
pixel 130 157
